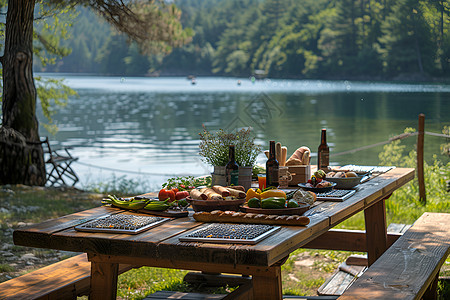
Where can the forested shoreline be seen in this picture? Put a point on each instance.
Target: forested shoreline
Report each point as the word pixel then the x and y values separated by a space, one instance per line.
pixel 319 39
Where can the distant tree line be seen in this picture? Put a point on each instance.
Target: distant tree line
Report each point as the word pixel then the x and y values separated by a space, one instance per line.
pixel 376 39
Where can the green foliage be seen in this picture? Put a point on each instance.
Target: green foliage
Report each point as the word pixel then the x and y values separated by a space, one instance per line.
pixel 121 186
pixel 53 94
pixel 406 39
pixel 310 38
pixel 52 27
pixel 445 148
pixel 187 181
pixel 214 147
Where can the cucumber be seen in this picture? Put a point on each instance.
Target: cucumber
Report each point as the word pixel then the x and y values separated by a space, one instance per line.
pixel 273 203
pixel 254 203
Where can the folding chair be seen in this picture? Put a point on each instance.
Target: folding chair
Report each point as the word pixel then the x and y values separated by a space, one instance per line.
pixel 59 164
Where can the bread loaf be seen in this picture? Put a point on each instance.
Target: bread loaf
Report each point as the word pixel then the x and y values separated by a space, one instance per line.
pixel 236 193
pixel 221 190
pixel 219 216
pixel 278 152
pixel 283 156
pixel 237 187
pixel 306 157
pixel 211 194
pixel 298 154
pixel 197 195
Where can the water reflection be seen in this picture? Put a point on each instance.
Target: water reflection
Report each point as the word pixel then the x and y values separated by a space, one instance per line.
pixel 150 126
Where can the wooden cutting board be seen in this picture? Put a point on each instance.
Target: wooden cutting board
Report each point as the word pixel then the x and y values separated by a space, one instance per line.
pixel 166 213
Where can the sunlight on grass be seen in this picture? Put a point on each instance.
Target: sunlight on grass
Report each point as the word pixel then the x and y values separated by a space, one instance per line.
pixel 137 283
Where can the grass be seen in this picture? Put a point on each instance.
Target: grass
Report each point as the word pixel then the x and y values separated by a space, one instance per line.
pixel 6 268
pixel 137 283
pixel 22 204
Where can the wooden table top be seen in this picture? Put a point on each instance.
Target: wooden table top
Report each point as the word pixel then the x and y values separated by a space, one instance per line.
pixel 162 242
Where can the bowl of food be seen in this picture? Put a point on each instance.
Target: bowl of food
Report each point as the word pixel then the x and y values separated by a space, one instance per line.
pixel 319 188
pixel 210 205
pixel 344 180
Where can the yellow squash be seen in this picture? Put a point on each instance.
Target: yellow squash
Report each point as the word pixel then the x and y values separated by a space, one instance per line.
pixel 252 194
pixel 273 193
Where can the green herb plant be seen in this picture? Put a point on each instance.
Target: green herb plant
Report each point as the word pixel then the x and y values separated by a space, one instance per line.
pixel 214 147
pixel 187 182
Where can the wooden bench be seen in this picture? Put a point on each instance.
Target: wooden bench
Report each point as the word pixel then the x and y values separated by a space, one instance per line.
pixel 66 279
pixel 409 269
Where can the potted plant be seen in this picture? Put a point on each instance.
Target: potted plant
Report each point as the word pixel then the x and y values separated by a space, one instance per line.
pixel 214 151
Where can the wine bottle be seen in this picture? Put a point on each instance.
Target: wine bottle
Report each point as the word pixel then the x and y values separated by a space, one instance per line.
pixel 323 153
pixel 232 168
pixel 272 167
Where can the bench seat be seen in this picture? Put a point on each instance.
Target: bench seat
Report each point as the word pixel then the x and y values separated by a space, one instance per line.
pixel 410 266
pixel 66 279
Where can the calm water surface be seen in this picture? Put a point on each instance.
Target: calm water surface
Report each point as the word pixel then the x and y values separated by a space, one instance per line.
pixel 146 129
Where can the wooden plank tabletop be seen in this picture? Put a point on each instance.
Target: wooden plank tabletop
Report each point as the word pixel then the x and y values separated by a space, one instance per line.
pixel 163 241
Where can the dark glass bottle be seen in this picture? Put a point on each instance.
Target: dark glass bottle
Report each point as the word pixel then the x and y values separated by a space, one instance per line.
pixel 272 167
pixel 323 153
pixel 232 168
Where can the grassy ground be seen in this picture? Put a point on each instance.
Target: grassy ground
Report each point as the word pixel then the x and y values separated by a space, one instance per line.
pixel 303 273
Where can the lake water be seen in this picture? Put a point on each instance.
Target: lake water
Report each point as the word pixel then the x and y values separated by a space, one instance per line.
pixel 146 129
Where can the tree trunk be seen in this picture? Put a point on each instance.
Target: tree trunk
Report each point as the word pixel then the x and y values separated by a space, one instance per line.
pixel 21 154
pixel 417 46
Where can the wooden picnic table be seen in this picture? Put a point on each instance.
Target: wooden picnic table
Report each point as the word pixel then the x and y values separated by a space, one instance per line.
pixel 160 246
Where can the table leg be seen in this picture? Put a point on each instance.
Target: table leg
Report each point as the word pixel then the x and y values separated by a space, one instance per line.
pixel 268 286
pixel 103 280
pixel 376 230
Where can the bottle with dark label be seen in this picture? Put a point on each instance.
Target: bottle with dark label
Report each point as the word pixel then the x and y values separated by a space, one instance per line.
pixel 272 167
pixel 323 153
pixel 232 168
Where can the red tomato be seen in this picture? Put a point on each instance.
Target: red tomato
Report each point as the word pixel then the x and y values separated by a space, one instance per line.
pixel 166 194
pixel 175 190
pixel 181 195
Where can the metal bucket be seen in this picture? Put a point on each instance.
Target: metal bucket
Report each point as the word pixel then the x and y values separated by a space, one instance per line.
pixel 218 176
pixel 245 177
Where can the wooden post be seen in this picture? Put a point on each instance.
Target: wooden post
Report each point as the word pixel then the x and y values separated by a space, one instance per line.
pixel 420 170
pixel 376 230
pixel 103 280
